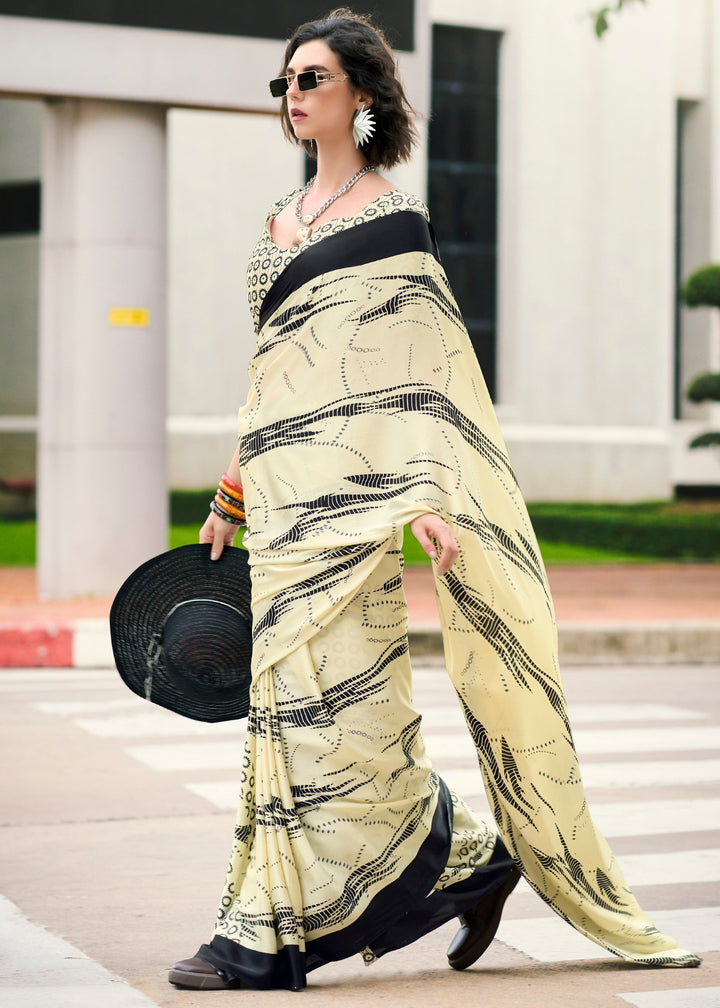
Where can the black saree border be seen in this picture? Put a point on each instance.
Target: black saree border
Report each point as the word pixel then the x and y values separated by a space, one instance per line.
pixel 246 968
pixel 408 890
pixel 380 238
pixel 443 905
pixel 287 969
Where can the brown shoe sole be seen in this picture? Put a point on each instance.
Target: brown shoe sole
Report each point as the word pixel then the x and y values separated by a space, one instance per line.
pixel 197 980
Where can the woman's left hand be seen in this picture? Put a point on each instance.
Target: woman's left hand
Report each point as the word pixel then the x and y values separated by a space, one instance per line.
pixel 436 538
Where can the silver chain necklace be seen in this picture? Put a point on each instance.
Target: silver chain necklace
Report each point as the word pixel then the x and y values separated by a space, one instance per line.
pixel 307 220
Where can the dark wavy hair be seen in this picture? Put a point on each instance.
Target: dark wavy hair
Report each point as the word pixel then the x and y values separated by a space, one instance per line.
pixel 368 60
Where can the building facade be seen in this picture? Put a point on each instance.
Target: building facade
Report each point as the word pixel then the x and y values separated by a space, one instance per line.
pixel 573 182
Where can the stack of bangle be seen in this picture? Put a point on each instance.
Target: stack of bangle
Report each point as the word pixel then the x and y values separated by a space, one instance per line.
pixel 229 502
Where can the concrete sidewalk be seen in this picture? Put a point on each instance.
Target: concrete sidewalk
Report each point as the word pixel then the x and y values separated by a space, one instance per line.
pixel 45 969
pixel 608 613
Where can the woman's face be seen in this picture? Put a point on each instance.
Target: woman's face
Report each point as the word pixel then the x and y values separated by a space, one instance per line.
pixel 324 113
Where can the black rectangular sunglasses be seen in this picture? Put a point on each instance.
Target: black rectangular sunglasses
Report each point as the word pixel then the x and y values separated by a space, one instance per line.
pixel 306 81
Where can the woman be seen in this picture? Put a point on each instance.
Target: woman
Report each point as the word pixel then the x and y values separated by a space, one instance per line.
pixel 367 412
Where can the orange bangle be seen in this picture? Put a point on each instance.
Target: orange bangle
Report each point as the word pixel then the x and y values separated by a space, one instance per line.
pixel 221 514
pixel 228 508
pixel 230 490
pixel 227 499
pixel 230 498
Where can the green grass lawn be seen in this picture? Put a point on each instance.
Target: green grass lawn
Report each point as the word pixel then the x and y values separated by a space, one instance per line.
pixel 17 544
pixel 17 548
pixel 553 553
pixel 648 532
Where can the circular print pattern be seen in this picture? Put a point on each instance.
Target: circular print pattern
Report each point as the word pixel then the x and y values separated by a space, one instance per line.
pixel 268 260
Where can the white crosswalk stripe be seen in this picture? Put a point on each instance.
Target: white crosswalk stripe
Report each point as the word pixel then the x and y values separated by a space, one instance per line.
pixel 549 939
pixel 54 676
pixel 189 756
pixel 73 708
pixel 42 680
pixel 667 868
pixel 699 997
pixel 612 713
pixel 672 867
pixel 615 776
pixel 682 815
pixel 156 723
pixel 445 716
pixel 221 794
pixel 600 741
pixel 647 740
pixel 619 819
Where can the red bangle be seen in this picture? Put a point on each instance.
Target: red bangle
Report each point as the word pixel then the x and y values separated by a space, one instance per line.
pixel 231 483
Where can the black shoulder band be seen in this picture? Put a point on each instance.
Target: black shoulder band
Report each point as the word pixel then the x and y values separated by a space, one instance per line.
pixel 389 235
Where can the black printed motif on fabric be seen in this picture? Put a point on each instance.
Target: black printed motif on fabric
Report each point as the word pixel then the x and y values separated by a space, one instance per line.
pixel 499 635
pixel 572 872
pixel 335 574
pixel 413 289
pixel 397 234
pixel 403 398
pixel 321 713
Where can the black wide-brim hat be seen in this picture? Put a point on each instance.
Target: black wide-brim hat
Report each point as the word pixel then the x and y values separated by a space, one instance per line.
pixel 181 631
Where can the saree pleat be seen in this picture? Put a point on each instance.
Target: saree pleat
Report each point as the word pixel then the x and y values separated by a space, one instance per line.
pixel 367 409
pixel 343 827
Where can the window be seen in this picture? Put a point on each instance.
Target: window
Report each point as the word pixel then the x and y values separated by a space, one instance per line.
pixel 19 208
pixel 462 176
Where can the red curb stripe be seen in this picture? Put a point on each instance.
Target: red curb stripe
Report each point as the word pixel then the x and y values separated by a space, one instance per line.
pixel 23 646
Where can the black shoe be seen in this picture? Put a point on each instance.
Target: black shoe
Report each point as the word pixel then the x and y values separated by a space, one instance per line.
pixel 479 925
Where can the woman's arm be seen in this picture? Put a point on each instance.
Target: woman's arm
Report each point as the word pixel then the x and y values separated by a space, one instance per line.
pixel 215 530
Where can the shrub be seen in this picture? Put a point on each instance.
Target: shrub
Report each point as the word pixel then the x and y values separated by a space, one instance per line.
pixel 702 288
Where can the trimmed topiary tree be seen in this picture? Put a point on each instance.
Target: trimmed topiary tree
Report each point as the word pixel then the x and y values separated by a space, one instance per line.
pixel 702 289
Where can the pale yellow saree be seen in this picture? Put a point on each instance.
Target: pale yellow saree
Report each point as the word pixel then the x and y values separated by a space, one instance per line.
pixel 366 409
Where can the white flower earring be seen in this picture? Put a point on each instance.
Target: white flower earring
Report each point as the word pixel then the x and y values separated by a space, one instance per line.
pixel 363 126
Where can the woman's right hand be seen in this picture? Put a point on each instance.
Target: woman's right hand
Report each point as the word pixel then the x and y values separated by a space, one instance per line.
pixel 218 533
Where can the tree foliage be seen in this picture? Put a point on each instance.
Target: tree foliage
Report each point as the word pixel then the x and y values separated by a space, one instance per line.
pixel 705 388
pixel 710 439
pixel 601 16
pixel 702 289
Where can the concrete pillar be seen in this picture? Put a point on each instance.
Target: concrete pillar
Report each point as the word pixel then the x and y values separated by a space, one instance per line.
pixel 713 409
pixel 714 103
pixel 102 496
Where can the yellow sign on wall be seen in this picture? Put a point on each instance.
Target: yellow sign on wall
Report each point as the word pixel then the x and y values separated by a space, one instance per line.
pixel 132 317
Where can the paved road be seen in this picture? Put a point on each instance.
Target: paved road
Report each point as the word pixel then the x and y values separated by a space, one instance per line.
pixel 117 817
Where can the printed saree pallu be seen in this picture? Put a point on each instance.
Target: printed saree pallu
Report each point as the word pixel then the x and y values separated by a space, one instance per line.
pixel 367 408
